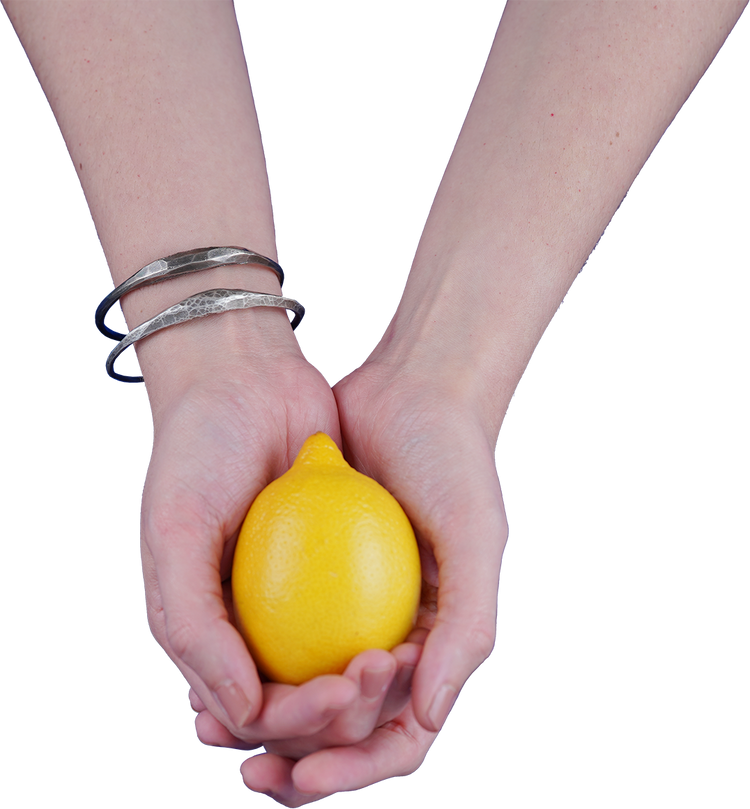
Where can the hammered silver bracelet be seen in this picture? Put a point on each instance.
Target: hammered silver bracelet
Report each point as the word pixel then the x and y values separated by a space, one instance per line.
pixel 212 301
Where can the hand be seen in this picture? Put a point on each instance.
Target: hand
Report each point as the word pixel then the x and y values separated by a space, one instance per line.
pixel 428 441
pixel 432 448
pixel 224 426
pixel 298 720
pixel 218 441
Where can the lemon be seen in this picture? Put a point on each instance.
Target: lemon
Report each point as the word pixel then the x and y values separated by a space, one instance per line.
pixel 326 566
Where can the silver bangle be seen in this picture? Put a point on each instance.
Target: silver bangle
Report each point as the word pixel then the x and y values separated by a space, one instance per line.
pixel 177 264
pixel 206 303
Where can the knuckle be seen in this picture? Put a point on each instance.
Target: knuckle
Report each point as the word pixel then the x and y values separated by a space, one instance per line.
pixel 481 639
pixel 412 750
pixel 180 635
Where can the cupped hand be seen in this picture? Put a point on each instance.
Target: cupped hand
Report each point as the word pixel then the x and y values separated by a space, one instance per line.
pixel 224 427
pixel 219 438
pixel 428 443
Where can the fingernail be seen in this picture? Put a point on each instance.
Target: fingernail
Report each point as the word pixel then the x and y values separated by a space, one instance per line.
pixel 234 702
pixel 373 682
pixel 405 676
pixel 441 706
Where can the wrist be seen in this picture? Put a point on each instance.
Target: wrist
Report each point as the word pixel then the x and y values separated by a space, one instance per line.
pixel 449 336
pixel 229 346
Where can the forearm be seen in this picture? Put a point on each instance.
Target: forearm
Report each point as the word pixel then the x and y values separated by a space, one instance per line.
pixel 573 99
pixel 155 106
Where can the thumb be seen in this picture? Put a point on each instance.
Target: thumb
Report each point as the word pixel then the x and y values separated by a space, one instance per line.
pixel 467 533
pixel 189 619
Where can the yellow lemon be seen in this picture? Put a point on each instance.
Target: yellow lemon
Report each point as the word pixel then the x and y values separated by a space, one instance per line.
pixel 326 566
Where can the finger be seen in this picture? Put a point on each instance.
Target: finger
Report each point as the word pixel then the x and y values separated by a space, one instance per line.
pixel 292 711
pixel 407 657
pixel 418 635
pixel 196 703
pixel 373 672
pixel 198 691
pixel 379 698
pixel 296 716
pixel 211 732
pixel 397 748
pixel 271 775
pixel 466 530
pixel 289 712
pixel 195 630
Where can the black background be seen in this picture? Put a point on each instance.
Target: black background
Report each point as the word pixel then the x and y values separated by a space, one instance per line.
pixel 358 119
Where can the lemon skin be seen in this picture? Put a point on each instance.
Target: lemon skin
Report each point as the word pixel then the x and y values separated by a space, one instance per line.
pixel 326 566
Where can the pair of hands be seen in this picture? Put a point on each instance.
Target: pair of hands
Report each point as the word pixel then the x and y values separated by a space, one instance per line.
pixel 223 439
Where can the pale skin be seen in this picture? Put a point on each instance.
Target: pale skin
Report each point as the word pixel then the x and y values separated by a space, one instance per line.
pixel 574 97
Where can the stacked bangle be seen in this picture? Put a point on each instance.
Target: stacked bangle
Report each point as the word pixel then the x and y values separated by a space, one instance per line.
pixel 213 301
